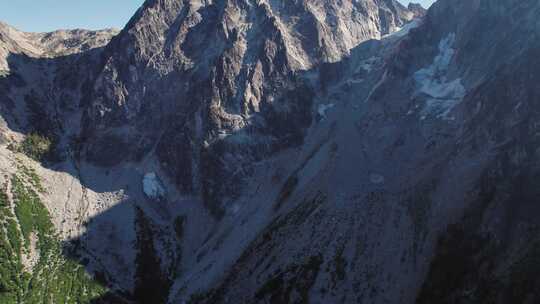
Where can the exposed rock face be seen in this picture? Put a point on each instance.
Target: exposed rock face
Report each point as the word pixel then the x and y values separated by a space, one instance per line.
pixel 53 44
pixel 303 151
pixel 417 9
pixel 213 87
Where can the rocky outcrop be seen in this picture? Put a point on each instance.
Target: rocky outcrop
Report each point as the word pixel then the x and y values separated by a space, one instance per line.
pixel 417 9
pixel 49 45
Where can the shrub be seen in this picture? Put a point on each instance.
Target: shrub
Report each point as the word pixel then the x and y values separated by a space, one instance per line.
pixel 36 146
pixel 54 278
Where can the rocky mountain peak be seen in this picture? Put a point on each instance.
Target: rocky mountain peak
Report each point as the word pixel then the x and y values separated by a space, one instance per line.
pixel 49 45
pixel 54 44
pixel 226 73
pixel 417 9
pixel 336 26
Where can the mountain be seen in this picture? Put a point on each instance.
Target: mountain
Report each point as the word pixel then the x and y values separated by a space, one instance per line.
pixel 195 81
pixel 54 44
pixel 417 9
pixel 267 151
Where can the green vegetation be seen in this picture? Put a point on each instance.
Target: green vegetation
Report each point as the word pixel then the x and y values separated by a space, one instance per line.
pixel 292 285
pixel 467 268
pixel 286 191
pixel 35 146
pixel 52 278
pixel 179 226
pixel 32 215
pixel 152 284
pixel 339 272
pixel 31 176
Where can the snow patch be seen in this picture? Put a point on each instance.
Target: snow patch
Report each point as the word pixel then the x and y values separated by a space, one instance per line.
pixel 152 186
pixel 403 31
pixel 376 178
pixel 443 93
pixel 323 108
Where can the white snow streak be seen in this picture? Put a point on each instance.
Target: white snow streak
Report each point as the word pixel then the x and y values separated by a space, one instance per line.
pixel 403 31
pixel 152 186
pixel 443 94
pixel 323 108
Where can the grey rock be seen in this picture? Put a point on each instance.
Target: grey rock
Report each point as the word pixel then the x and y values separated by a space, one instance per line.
pixel 225 73
pixel 309 151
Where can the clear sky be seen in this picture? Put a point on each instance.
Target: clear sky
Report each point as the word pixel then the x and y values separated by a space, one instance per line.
pixel 425 3
pixel 48 15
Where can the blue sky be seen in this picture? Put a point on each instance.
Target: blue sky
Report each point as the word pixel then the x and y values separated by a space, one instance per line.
pixel 48 15
pixel 425 3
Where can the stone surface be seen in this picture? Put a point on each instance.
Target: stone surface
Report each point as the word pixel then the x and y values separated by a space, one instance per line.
pixel 308 151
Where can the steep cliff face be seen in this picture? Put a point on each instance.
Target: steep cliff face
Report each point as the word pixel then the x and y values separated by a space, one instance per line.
pixel 407 191
pixel 40 75
pixel 39 67
pixel 212 87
